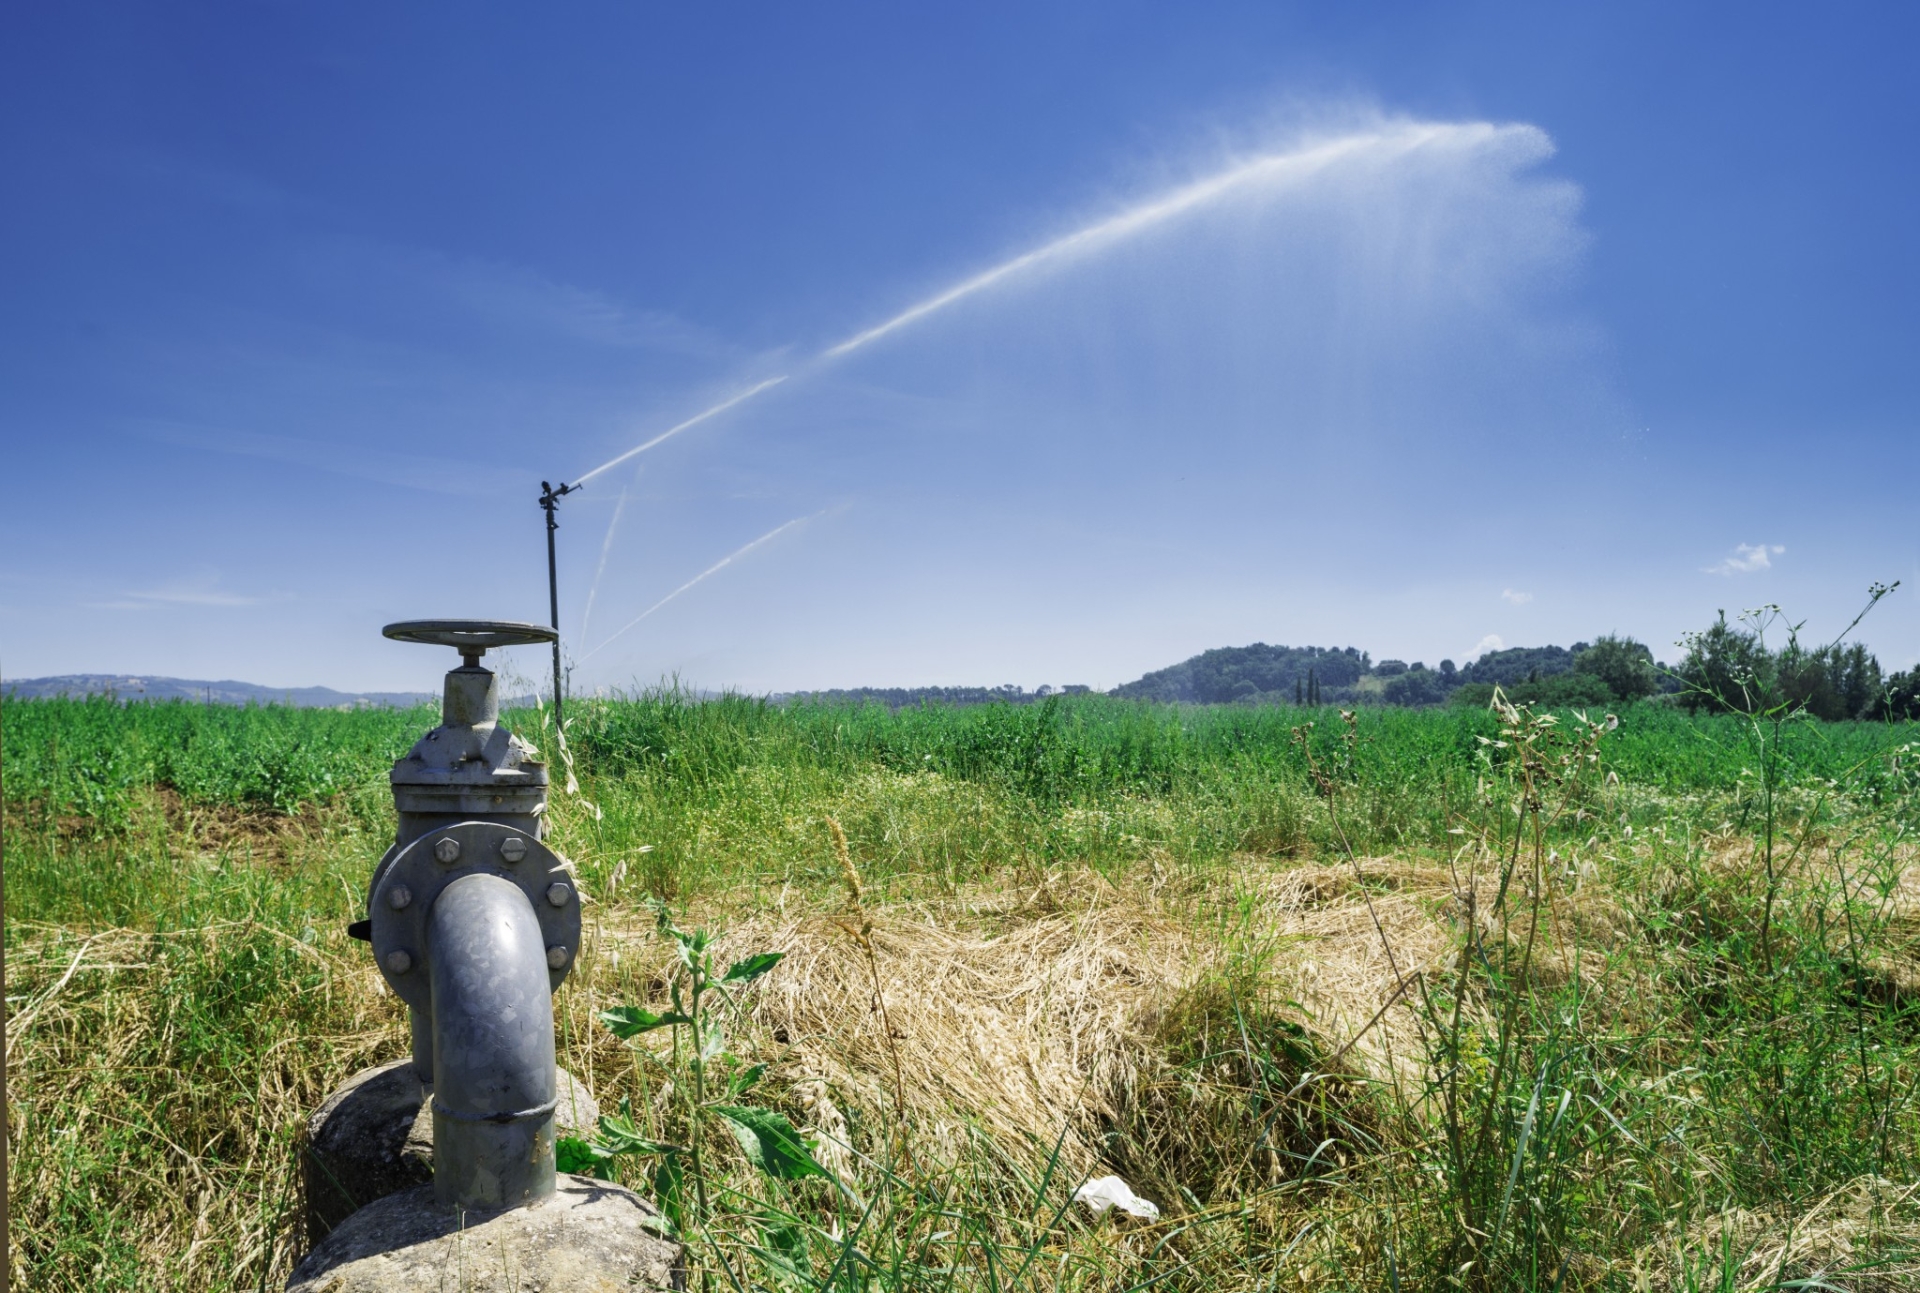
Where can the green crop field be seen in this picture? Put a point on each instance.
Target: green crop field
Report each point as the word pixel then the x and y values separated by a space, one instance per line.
pixel 1420 999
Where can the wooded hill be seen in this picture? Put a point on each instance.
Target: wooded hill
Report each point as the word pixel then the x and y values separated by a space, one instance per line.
pixel 1726 667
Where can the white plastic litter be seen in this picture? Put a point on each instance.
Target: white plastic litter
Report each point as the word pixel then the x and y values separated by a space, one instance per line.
pixel 1106 1192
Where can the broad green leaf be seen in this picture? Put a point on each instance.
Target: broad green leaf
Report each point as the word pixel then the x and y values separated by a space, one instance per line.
pixel 631 1021
pixel 770 1141
pixel 579 1158
pixel 746 971
pixel 745 1079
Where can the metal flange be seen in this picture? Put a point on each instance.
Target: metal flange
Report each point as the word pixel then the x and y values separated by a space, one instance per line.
pixel 404 890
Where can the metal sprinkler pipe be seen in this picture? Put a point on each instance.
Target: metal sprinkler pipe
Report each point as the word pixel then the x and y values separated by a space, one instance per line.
pixel 549 501
pixel 474 924
pixel 493 1076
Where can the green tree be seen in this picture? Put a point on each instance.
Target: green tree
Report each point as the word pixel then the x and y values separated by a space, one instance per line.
pixel 1900 697
pixel 1414 687
pixel 1857 680
pixel 1624 665
pixel 1731 668
pixel 1726 668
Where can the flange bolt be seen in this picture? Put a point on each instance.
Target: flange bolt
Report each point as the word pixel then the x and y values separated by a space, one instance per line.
pixel 557 957
pixel 559 895
pixel 399 896
pixel 398 961
pixel 513 848
pixel 447 851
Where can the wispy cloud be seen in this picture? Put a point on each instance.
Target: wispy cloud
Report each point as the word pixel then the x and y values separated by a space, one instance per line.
pixel 1491 642
pixel 515 298
pixel 1515 596
pixel 202 591
pixel 522 298
pixel 1747 559
pixel 413 471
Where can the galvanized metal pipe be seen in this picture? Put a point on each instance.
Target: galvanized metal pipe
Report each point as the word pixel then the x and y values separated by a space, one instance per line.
pixel 493 1075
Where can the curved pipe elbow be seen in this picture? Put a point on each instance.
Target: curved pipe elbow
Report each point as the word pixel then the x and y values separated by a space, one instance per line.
pixel 493 1074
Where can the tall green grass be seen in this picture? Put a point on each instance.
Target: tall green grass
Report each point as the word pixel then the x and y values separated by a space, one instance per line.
pixel 1676 1036
pixel 88 758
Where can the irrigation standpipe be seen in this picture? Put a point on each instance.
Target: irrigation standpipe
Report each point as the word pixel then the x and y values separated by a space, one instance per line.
pixel 474 922
pixel 549 500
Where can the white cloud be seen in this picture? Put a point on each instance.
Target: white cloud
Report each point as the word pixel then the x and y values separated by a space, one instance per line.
pixel 1491 642
pixel 449 475
pixel 516 297
pixel 177 596
pixel 523 298
pixel 1747 558
pixel 200 591
pixel 1515 596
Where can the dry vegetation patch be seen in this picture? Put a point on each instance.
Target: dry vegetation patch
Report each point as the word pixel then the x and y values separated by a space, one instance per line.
pixel 1058 1025
pixel 1861 1238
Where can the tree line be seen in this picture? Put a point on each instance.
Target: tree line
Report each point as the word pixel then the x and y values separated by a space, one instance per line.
pixel 1728 667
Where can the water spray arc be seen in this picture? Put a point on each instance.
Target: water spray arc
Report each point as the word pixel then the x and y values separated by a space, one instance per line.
pixel 714 569
pixel 1388 142
pixel 606 547
pixel 1297 164
pixel 672 431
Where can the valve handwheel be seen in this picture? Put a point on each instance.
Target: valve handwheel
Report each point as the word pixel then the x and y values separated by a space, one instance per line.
pixel 471 638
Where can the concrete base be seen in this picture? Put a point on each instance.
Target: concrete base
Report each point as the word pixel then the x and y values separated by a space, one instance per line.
pixel 590 1237
pixel 374 1136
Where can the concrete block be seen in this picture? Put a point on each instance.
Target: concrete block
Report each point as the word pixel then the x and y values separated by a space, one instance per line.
pixel 374 1136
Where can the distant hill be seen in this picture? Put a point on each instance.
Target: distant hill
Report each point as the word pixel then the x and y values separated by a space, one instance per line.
pixel 1614 670
pixel 901 697
pixel 1247 673
pixel 128 687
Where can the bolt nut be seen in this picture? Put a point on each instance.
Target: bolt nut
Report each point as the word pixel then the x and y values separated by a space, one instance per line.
pixel 559 895
pixel 446 851
pixel 513 848
pixel 399 896
pixel 398 961
pixel 557 957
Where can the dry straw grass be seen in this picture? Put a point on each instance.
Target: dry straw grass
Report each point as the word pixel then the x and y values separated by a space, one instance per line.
pixel 1019 1025
pixel 1861 1238
pixel 1034 1026
pixel 184 1137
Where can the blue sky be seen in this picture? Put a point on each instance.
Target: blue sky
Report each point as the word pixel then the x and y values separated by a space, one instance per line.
pixel 1412 326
